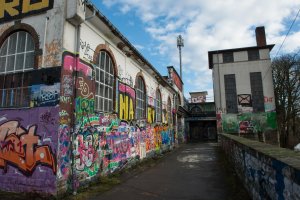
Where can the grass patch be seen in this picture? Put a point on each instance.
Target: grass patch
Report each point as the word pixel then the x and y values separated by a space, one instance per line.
pixel 23 196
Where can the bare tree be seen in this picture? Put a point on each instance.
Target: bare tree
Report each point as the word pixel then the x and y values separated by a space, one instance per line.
pixel 286 79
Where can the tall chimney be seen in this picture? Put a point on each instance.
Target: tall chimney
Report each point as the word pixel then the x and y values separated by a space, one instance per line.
pixel 260 36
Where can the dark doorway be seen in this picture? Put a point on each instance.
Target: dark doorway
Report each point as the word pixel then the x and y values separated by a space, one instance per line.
pixel 203 130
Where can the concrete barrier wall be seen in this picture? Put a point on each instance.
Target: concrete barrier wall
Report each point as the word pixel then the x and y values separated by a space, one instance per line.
pixel 267 171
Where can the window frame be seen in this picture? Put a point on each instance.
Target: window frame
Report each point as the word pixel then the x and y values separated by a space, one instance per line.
pixel 257 91
pixel 140 97
pixel 105 87
pixel 253 54
pixel 230 93
pixel 228 57
pixel 15 89
pixel 13 50
pixel 158 106
pixel 169 110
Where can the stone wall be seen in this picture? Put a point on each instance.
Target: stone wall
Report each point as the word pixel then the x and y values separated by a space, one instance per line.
pixel 268 172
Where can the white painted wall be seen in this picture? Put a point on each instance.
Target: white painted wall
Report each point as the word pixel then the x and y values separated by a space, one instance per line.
pixel 91 36
pixel 50 33
pixel 242 69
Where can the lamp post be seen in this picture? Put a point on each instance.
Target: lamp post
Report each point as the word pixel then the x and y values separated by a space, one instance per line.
pixel 179 45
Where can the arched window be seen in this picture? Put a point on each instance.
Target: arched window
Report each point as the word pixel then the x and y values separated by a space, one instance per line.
pixel 17 53
pixel 158 106
pixel 169 110
pixel 104 78
pixel 140 98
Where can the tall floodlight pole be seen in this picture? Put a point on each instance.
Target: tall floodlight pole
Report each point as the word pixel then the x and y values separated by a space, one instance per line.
pixel 179 45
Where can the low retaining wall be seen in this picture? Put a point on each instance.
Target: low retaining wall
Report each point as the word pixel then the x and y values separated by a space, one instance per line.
pixel 267 171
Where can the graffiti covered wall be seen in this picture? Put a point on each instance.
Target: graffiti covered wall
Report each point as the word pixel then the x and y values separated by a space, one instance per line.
pixel 28 144
pixel 248 122
pixel 126 102
pixel 102 142
pixel 263 175
pixel 83 105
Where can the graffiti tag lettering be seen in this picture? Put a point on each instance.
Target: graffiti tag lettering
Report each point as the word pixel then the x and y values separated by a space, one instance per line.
pixel 84 106
pixel 126 102
pixel 268 99
pixel 86 49
pixel 20 147
pixel 84 89
pixel 151 115
pixel 67 85
pixel 47 118
pixel 16 9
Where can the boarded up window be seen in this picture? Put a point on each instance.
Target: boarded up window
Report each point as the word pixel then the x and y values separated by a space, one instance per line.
pixel 230 93
pixel 257 92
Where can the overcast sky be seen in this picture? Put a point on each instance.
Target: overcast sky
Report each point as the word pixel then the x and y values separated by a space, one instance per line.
pixel 153 25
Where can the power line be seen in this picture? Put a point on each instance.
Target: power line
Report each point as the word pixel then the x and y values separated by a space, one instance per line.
pixel 283 42
pixel 287 33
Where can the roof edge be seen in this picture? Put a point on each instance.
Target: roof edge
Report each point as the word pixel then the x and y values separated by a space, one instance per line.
pixel 210 53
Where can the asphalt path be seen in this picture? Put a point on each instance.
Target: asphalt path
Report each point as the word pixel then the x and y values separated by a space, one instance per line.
pixel 193 171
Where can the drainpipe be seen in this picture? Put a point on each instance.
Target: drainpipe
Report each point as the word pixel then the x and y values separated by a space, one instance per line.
pixel 73 137
pixel 44 43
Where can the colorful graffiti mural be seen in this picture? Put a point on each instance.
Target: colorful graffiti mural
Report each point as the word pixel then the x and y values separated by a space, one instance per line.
pixel 59 140
pixel 126 102
pixel 28 142
pixel 63 156
pixel 19 148
pixel 80 153
pixel 104 142
pixel 151 114
pixel 45 95
pixel 87 146
pixel 84 106
pixel 248 122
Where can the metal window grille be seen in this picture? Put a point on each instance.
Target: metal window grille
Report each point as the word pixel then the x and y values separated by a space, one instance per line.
pixel 158 106
pixel 230 93
pixel 253 54
pixel 17 53
pixel 15 97
pixel 104 78
pixel 169 111
pixel 228 57
pixel 140 99
pixel 257 92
